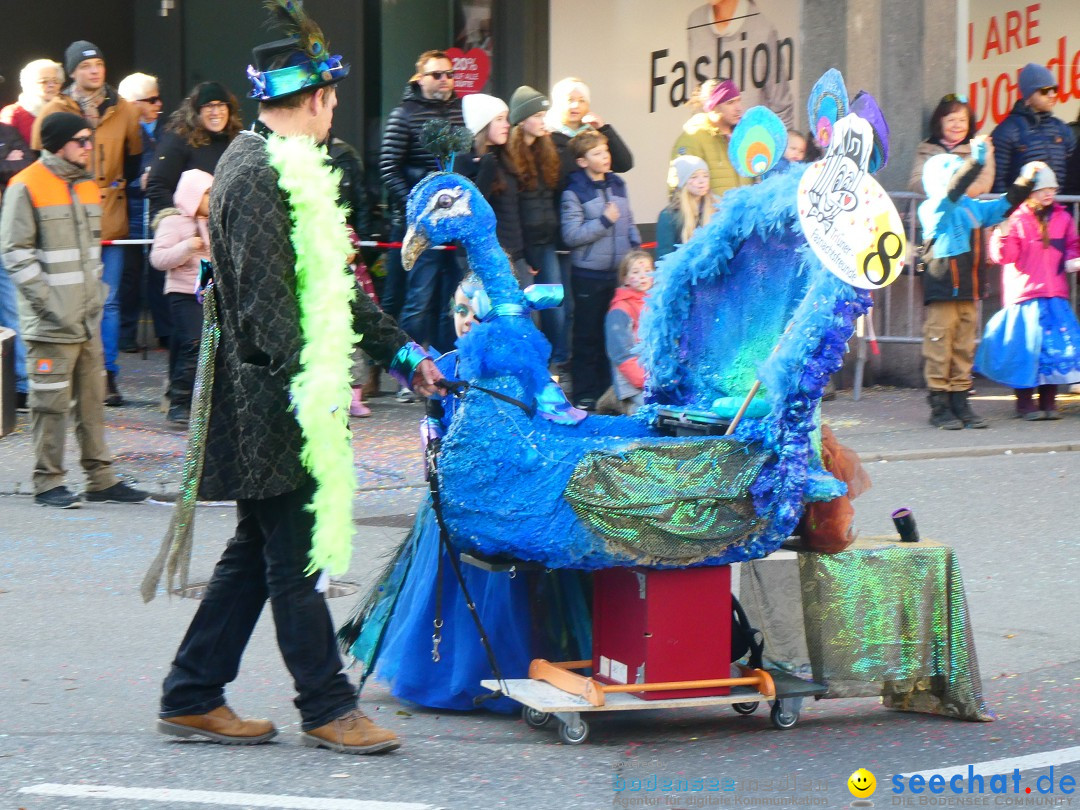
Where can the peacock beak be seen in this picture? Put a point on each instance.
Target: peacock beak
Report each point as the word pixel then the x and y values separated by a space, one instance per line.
pixel 415 242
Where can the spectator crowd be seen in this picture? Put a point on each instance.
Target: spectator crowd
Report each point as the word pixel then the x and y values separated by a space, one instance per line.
pixel 86 166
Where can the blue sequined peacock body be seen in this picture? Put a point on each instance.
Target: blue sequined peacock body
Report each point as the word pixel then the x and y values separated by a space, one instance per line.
pixel 611 491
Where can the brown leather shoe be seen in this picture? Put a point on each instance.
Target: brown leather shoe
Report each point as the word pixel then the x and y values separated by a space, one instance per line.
pixel 220 725
pixel 352 733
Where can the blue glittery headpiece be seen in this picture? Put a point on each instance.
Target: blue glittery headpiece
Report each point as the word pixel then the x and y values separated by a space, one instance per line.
pixel 271 84
pixel 300 62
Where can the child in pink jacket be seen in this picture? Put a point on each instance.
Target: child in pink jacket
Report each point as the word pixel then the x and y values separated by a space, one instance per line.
pixel 181 241
pixel 1034 341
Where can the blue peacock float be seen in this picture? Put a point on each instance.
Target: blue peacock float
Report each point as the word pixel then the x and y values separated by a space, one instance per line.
pixel 746 299
pixel 745 307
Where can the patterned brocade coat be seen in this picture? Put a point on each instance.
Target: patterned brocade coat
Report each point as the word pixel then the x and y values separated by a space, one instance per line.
pixel 253 442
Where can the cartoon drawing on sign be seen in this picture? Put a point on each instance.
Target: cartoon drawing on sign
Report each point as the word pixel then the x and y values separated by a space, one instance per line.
pixel 836 187
pixel 847 217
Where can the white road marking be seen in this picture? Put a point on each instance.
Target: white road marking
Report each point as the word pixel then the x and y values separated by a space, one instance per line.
pixel 221 799
pixel 1043 759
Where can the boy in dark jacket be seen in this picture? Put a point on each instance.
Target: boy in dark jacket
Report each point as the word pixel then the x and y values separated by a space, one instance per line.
pixel 598 227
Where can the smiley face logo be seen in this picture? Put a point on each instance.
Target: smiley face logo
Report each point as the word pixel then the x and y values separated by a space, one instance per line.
pixel 862 784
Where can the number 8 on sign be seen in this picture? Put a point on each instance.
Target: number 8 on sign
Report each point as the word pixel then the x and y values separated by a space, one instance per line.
pixel 847 217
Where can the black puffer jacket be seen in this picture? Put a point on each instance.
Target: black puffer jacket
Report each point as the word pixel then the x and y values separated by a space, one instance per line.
pixel 403 162
pixel 11 141
pixel 499 186
pixel 352 190
pixel 173 157
pixel 622 160
pixel 539 214
pixel 1024 136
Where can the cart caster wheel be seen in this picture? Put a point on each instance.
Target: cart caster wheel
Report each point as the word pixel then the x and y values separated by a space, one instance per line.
pixel 781 717
pixel 745 708
pixel 574 737
pixel 534 718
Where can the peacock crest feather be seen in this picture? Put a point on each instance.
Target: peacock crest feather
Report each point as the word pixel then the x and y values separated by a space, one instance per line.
pixel 295 22
pixel 444 140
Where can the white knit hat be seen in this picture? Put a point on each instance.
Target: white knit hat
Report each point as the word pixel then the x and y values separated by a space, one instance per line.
pixel 480 110
pixel 1044 178
pixel 683 167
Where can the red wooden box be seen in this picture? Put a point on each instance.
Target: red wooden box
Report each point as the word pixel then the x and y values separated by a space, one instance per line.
pixel 660 626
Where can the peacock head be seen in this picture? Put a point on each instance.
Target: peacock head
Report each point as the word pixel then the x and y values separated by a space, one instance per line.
pixel 445 207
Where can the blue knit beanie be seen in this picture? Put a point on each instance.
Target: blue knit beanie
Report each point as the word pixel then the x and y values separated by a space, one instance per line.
pixel 1032 77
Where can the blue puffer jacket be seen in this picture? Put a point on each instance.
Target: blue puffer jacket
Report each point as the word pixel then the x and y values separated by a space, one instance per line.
pixel 597 245
pixel 1024 136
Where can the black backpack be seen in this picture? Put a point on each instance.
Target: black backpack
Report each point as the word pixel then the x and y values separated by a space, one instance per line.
pixel 745 638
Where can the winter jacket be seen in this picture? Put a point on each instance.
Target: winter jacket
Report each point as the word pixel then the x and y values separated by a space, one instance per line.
pixel 1030 270
pixel 11 141
pixel 1071 185
pixel 22 119
pixel 115 158
pixel 403 162
pixel 352 188
pixel 952 224
pixel 174 156
pixel 622 160
pixel 1026 135
pixel 173 229
pixel 492 175
pixel 138 206
pixel 621 338
pixel 253 439
pixel 50 244
pixel 705 141
pixel 597 245
pixel 928 148
pixel 669 227
pixel 539 214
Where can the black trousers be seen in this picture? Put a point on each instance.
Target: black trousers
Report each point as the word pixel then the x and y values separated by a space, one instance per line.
pixel 265 559
pixel 137 272
pixel 590 370
pixel 187 318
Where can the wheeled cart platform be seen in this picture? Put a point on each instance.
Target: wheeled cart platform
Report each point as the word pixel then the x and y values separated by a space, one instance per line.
pixel 542 701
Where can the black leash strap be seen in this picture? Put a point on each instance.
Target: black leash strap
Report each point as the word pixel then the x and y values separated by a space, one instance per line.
pixel 444 535
pixel 459 387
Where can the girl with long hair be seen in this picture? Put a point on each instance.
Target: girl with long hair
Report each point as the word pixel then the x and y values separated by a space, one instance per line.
pixel 692 204
pixel 487 164
pixel 534 161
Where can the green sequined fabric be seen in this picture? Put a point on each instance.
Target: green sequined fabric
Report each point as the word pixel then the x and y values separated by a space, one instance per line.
pixel 882 618
pixel 174 556
pixel 676 503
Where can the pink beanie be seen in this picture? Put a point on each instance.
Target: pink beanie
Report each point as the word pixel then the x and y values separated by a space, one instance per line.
pixel 725 91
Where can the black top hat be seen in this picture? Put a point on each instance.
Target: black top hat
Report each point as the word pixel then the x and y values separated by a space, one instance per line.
pixel 295 64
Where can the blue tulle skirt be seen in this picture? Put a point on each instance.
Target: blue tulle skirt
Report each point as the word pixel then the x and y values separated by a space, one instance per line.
pixel 502 602
pixel 1035 342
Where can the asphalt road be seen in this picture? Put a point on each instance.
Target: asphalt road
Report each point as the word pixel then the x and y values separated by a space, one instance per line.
pixel 81 659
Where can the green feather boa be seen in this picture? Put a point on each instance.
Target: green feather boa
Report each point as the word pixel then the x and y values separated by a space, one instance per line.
pixel 321 390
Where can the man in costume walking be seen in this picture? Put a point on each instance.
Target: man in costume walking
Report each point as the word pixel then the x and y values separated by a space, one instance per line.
pixel 286 332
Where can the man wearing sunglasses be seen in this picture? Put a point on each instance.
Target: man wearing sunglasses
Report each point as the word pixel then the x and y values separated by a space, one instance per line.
pixel 1031 132
pixel 50 244
pixel 418 299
